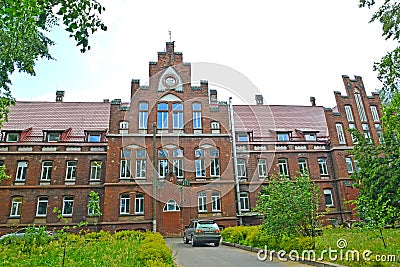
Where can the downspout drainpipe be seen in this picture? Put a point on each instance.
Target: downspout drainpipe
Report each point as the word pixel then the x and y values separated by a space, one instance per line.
pixel 154 179
pixel 234 157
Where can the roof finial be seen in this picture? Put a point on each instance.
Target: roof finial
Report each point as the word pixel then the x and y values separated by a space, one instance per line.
pixel 170 37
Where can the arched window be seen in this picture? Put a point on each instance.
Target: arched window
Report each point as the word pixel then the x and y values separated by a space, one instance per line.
pixel 171 205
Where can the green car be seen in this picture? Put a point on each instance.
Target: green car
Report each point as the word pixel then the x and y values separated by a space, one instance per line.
pixel 202 231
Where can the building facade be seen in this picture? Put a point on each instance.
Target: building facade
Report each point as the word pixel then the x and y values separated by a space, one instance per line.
pixel 174 153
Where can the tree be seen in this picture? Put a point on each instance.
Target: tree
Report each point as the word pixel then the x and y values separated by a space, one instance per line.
pixel 378 176
pixel 388 14
pixel 24 25
pixel 289 206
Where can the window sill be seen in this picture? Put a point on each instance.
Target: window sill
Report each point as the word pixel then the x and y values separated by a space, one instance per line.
pixel 94 182
pixel 19 182
pixel 67 215
pixel 14 217
pixel 44 182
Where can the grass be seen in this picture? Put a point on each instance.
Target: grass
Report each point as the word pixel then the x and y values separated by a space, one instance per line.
pixel 128 248
pixel 361 240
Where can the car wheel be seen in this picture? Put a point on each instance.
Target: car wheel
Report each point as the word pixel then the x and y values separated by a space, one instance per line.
pixel 185 240
pixel 193 242
pixel 216 243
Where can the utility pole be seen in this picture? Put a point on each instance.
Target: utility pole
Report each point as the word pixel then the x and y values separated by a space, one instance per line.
pixel 154 178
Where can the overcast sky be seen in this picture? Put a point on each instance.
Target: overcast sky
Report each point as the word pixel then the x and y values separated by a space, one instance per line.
pixel 290 50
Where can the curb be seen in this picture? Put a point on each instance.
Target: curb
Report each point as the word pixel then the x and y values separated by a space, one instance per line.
pixel 275 255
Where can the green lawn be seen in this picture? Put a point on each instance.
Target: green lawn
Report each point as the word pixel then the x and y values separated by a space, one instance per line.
pixel 127 248
pixel 360 240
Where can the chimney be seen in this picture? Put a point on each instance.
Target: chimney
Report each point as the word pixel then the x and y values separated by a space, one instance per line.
pixel 135 84
pixel 312 100
pixel 259 100
pixel 60 96
pixel 213 96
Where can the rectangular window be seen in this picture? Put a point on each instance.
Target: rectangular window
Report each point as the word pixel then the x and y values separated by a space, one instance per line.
pixel 216 201
pixel 349 113
pixel 215 127
pixel 200 168
pixel 352 126
pixel 323 168
pixel 241 167
pixel 140 168
pixel 214 167
pixel 71 170
pixel 374 112
pixel 349 165
pixel 243 137
pixel 21 171
pixel 53 137
pixel 139 204
pixel 196 115
pixel 310 136
pixel 124 204
pixel 16 205
pixel 360 107
pixel 95 170
pixel 328 197
pixel 12 137
pixel 177 115
pixel 162 168
pixel 46 170
pixel 178 168
pixel 283 137
pixel 303 166
pixel 125 168
pixel 202 201
pixel 94 138
pixel 378 128
pixel 143 114
pixel 42 206
pixel 162 116
pixel 68 206
pixel 340 133
pixel 262 168
pixel 283 168
pixel 244 201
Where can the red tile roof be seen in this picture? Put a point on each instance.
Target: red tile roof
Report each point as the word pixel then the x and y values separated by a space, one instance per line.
pixel 265 120
pixel 73 118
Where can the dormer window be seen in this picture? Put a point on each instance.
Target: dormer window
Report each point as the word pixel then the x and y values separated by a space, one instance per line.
pixel 94 137
pixel 243 137
pixel 12 137
pixel 283 137
pixel 53 137
pixel 310 136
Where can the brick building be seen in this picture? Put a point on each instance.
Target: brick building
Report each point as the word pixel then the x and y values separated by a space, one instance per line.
pixel 54 153
pixel 168 155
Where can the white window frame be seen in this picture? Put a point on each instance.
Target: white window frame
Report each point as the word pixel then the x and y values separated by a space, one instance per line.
pixel 68 200
pixel 375 115
pixel 22 169
pixel 53 137
pixel 244 201
pixel 16 207
pixel 216 201
pixel 12 140
pixel 171 206
pixel 241 167
pixel 200 163
pixel 46 170
pixel 139 203
pixel 202 202
pixel 349 113
pixel 360 106
pixel 328 193
pixel 349 164
pixel 262 168
pixel 283 167
pixel 70 174
pixel 124 204
pixel 196 116
pixel 140 171
pixel 177 116
pixel 283 137
pixel 143 115
pixel 310 137
pixel 162 168
pixel 340 134
pixel 242 137
pixel 215 170
pixel 123 127
pixel 94 137
pixel 303 165
pixel 95 170
pixel 215 128
pixel 323 166
pixel 42 200
pixel 125 169
pixel 178 168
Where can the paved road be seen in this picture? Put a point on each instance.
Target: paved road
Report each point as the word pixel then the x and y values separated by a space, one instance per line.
pixel 222 256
